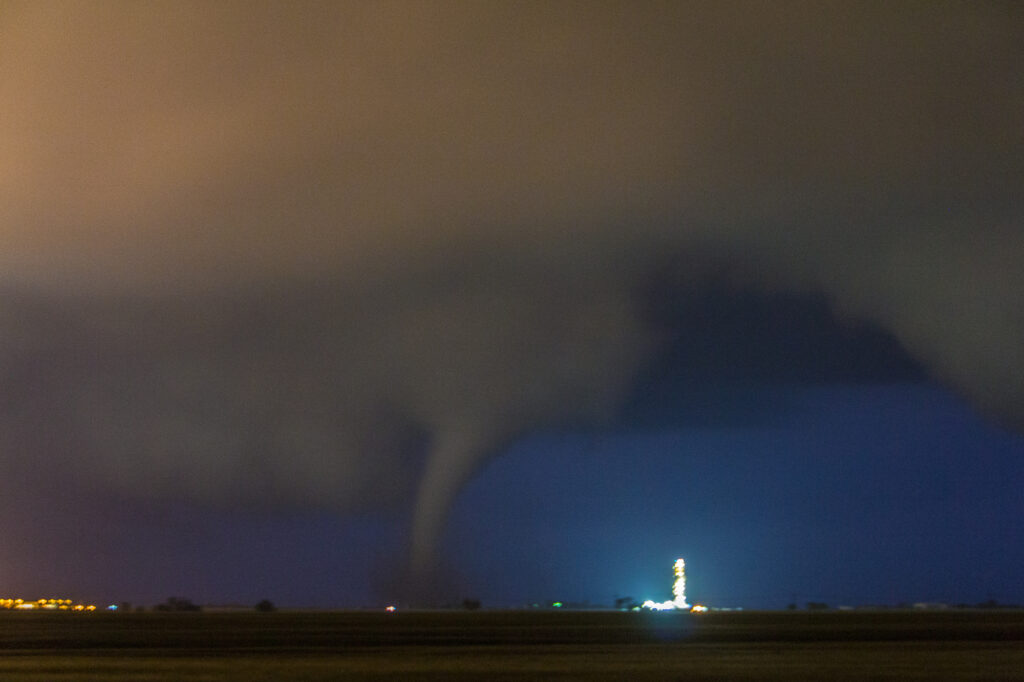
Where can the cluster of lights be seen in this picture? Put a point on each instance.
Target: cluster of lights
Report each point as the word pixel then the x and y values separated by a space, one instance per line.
pixel 678 602
pixel 45 604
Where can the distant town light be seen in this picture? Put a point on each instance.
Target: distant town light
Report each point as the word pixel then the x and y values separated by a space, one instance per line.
pixel 390 609
pixel 49 603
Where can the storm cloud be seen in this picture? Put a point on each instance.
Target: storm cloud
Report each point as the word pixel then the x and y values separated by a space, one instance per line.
pixel 336 255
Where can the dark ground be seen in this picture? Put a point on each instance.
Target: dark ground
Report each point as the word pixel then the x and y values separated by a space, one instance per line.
pixel 964 645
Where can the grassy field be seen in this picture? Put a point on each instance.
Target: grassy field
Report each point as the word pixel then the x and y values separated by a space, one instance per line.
pixel 963 645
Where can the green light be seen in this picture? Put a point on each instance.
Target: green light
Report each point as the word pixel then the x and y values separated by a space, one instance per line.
pixel 557 604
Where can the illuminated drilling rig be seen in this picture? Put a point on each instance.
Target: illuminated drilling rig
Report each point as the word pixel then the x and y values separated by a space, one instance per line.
pixel 679 586
pixel 678 592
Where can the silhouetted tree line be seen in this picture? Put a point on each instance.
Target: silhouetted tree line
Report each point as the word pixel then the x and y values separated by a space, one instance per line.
pixel 177 604
pixel 988 604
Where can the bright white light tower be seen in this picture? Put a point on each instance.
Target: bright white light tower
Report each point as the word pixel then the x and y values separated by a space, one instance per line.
pixel 678 591
pixel 679 586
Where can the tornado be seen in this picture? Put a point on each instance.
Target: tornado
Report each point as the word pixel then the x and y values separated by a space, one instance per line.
pixel 454 458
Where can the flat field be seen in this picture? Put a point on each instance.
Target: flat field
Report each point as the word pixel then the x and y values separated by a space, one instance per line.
pixel 881 645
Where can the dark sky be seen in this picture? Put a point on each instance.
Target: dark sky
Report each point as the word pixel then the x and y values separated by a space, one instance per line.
pixel 337 303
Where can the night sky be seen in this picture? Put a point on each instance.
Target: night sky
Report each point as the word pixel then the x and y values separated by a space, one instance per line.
pixel 340 304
